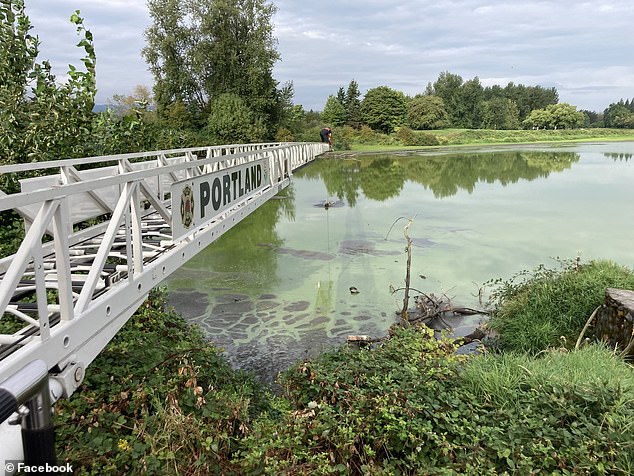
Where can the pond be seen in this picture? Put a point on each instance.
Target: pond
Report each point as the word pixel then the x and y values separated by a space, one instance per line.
pixel 276 288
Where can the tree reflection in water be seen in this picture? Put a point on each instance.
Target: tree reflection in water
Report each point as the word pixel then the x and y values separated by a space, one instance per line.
pixel 380 177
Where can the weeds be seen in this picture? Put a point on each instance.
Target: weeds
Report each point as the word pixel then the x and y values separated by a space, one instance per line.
pixel 158 400
pixel 161 400
pixel 548 308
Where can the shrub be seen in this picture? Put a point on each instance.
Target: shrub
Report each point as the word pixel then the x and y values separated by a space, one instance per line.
pixel 365 412
pixel 284 135
pixel 158 400
pixel 548 308
pixel 411 406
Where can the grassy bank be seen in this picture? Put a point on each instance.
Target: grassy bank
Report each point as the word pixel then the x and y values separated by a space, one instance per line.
pixel 367 140
pixel 548 307
pixel 162 400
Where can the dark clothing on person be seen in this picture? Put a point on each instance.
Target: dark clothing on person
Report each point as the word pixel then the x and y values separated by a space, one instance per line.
pixel 325 134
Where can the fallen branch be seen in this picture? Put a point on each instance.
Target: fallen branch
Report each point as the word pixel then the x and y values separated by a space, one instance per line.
pixel 585 328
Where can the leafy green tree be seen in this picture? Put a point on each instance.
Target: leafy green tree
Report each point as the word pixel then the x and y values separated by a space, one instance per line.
pixel 334 112
pixel 565 116
pixel 40 117
pixel 448 87
pixel 538 119
pixel 500 113
pixel 619 115
pixel 383 109
pixel 198 50
pixel 470 104
pixel 427 112
pixel 232 121
pixel 555 116
pixel 283 114
pixel 593 118
pixel 529 98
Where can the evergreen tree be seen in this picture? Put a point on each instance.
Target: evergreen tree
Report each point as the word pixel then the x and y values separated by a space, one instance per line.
pixel 341 96
pixel 353 105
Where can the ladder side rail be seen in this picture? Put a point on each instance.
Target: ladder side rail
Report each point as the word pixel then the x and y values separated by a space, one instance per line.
pixel 104 248
pixel 113 159
pixel 278 156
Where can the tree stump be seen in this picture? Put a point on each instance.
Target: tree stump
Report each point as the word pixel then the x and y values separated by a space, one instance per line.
pixel 615 320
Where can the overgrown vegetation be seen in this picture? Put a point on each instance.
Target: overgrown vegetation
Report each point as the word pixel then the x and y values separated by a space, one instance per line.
pixel 366 139
pixel 160 399
pixel 548 307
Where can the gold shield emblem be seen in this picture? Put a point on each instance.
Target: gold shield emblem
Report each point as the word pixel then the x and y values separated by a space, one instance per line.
pixel 187 206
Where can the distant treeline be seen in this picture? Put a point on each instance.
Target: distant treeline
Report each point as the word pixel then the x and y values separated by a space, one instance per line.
pixel 455 103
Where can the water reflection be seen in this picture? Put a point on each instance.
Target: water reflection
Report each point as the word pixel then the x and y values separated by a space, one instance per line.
pixel 618 156
pixel 275 288
pixel 383 177
pixel 241 260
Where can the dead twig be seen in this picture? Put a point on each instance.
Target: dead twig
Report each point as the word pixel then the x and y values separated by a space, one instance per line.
pixel 404 312
pixel 585 328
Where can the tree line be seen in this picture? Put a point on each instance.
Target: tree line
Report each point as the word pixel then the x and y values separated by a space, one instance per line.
pixel 451 102
pixel 212 63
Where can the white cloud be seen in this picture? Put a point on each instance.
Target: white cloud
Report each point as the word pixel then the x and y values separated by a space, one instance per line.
pixel 582 48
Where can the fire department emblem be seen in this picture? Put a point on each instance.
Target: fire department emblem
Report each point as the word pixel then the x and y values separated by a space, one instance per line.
pixel 187 206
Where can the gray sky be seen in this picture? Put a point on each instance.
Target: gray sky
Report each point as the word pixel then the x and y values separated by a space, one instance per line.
pixel 583 48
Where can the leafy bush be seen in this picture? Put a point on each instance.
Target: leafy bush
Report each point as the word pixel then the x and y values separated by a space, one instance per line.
pixel 408 137
pixel 412 406
pixel 548 308
pixel 354 413
pixel 158 400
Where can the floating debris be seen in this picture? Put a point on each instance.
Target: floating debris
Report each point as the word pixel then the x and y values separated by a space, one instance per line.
pixel 329 204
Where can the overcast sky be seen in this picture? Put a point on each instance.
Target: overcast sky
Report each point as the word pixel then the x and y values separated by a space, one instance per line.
pixel 583 48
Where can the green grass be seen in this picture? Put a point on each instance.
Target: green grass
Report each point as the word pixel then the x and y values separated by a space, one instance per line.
pixel 501 379
pixel 481 137
pixel 160 399
pixel 548 308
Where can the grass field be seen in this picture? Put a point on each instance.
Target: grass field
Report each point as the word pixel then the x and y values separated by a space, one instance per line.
pixel 480 137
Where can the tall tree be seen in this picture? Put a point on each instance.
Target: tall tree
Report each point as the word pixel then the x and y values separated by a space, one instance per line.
pixel 231 121
pixel 383 109
pixel 334 112
pixel 341 96
pixel 200 49
pixel 447 87
pixel 500 113
pixel 427 112
pixel 353 105
pixel 618 114
pixel 470 98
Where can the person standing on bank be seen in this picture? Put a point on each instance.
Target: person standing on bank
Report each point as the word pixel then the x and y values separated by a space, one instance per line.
pixel 326 136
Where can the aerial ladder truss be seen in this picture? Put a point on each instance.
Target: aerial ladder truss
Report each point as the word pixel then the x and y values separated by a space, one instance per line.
pixel 100 233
